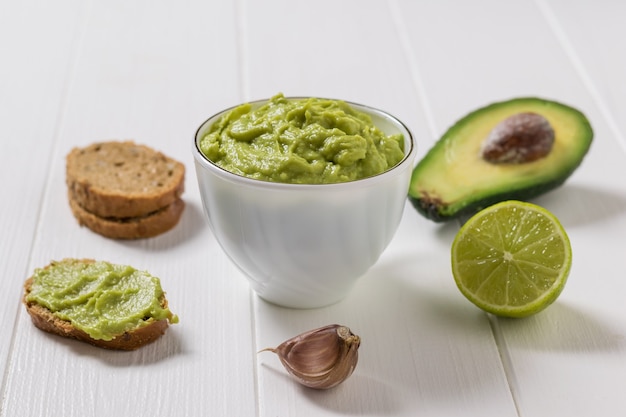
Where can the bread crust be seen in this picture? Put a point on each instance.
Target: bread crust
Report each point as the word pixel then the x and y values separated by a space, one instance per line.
pixel 146 226
pixel 45 320
pixel 123 179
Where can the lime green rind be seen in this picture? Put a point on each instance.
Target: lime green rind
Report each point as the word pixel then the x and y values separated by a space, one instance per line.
pixel 489 270
pixel 440 209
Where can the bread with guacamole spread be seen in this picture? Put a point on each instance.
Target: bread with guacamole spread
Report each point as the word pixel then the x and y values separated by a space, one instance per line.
pixel 124 190
pixel 107 305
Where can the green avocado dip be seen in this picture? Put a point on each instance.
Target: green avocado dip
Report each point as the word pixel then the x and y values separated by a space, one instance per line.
pixel 301 141
pixel 102 299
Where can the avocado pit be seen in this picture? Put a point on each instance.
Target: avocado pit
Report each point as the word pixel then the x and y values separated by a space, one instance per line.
pixel 521 138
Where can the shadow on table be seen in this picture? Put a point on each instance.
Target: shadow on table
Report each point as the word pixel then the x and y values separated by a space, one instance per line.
pixel 574 205
pixel 561 328
pixel 577 205
pixel 164 348
pixel 192 223
pixel 347 398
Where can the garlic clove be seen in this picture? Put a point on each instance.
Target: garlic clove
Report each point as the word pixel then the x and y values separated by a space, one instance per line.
pixel 321 358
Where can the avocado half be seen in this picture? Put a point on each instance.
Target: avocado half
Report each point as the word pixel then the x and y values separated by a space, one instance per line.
pixel 453 180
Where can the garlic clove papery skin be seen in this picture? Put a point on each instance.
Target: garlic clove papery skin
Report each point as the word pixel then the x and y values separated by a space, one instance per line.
pixel 321 358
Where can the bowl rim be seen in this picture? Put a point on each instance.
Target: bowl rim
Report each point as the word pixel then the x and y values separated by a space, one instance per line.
pixel 201 158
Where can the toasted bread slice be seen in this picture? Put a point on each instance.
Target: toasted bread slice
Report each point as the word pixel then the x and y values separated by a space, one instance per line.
pixel 46 320
pixel 146 226
pixel 123 179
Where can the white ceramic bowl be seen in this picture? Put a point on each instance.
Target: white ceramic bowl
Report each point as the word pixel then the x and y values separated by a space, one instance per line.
pixel 304 246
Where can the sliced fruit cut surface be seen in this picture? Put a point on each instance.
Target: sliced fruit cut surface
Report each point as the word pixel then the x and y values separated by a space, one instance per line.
pixel 455 179
pixel 511 259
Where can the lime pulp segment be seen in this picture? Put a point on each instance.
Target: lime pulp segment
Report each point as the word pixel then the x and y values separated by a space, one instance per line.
pixel 511 259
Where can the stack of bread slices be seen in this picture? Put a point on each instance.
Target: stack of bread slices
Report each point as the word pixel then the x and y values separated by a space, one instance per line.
pixel 123 190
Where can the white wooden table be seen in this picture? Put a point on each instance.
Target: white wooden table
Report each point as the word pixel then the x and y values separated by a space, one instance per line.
pixel 75 72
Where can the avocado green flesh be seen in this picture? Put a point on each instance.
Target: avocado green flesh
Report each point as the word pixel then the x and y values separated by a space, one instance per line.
pixel 104 300
pixel 454 180
pixel 301 141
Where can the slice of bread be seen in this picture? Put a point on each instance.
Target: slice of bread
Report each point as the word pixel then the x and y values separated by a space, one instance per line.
pixel 123 179
pixel 46 320
pixel 146 226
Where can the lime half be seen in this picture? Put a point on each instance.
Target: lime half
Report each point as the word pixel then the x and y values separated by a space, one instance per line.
pixel 511 259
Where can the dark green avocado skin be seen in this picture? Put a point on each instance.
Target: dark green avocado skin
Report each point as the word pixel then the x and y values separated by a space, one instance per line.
pixel 439 211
